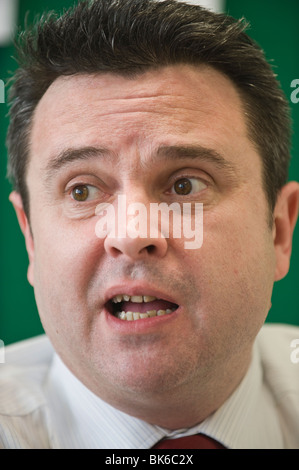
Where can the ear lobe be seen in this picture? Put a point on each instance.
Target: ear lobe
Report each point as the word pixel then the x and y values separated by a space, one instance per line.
pixel 16 200
pixel 285 217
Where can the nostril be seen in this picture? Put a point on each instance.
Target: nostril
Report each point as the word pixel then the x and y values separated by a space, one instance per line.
pixel 115 251
pixel 135 247
pixel 112 248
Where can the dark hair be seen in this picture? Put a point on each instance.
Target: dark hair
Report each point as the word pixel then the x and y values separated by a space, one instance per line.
pixel 127 37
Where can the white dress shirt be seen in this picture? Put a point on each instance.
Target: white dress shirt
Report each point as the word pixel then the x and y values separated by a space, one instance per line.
pixel 43 405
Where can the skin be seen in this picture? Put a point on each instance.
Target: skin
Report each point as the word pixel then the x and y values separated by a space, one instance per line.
pixel 175 370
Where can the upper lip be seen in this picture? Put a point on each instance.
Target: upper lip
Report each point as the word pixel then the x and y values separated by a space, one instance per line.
pixel 138 289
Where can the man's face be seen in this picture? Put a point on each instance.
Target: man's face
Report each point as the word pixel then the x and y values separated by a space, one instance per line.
pixel 173 135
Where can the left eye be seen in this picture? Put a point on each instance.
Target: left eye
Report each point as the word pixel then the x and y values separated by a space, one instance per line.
pixel 185 186
pixel 83 192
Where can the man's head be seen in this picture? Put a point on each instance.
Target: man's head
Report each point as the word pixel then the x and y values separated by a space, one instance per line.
pixel 167 129
pixel 129 37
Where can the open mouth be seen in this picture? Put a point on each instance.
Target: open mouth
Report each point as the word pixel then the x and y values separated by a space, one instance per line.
pixel 139 307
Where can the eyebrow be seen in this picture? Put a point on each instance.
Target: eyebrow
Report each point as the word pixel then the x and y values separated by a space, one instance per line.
pixel 71 155
pixel 171 152
pixel 196 152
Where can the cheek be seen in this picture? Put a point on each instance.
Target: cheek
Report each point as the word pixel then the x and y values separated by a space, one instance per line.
pixel 65 262
pixel 234 268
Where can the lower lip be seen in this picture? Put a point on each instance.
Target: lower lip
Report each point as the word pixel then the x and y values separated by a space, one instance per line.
pixel 140 326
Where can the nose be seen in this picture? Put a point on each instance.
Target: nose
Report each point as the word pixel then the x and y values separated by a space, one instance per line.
pixel 136 248
pixel 132 234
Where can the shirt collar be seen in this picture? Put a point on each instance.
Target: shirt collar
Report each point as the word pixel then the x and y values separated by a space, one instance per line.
pixel 246 420
pixel 83 420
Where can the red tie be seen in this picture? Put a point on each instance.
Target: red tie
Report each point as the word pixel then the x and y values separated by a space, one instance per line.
pixel 197 441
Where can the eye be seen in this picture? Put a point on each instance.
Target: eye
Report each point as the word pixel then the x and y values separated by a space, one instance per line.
pixel 185 186
pixel 83 192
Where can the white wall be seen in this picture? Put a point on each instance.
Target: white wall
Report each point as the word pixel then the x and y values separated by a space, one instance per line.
pixel 215 5
pixel 8 20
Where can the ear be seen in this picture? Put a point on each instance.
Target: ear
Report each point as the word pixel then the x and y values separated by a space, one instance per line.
pixel 285 217
pixel 17 202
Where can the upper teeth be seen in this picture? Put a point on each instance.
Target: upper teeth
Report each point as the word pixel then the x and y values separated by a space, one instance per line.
pixel 133 298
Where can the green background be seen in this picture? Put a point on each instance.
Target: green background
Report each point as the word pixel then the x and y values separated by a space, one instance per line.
pixel 274 25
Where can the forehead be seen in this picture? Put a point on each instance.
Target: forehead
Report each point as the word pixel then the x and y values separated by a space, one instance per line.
pixel 156 108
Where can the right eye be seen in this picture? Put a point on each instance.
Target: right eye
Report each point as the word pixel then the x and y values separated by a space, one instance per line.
pixel 83 192
pixel 186 186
